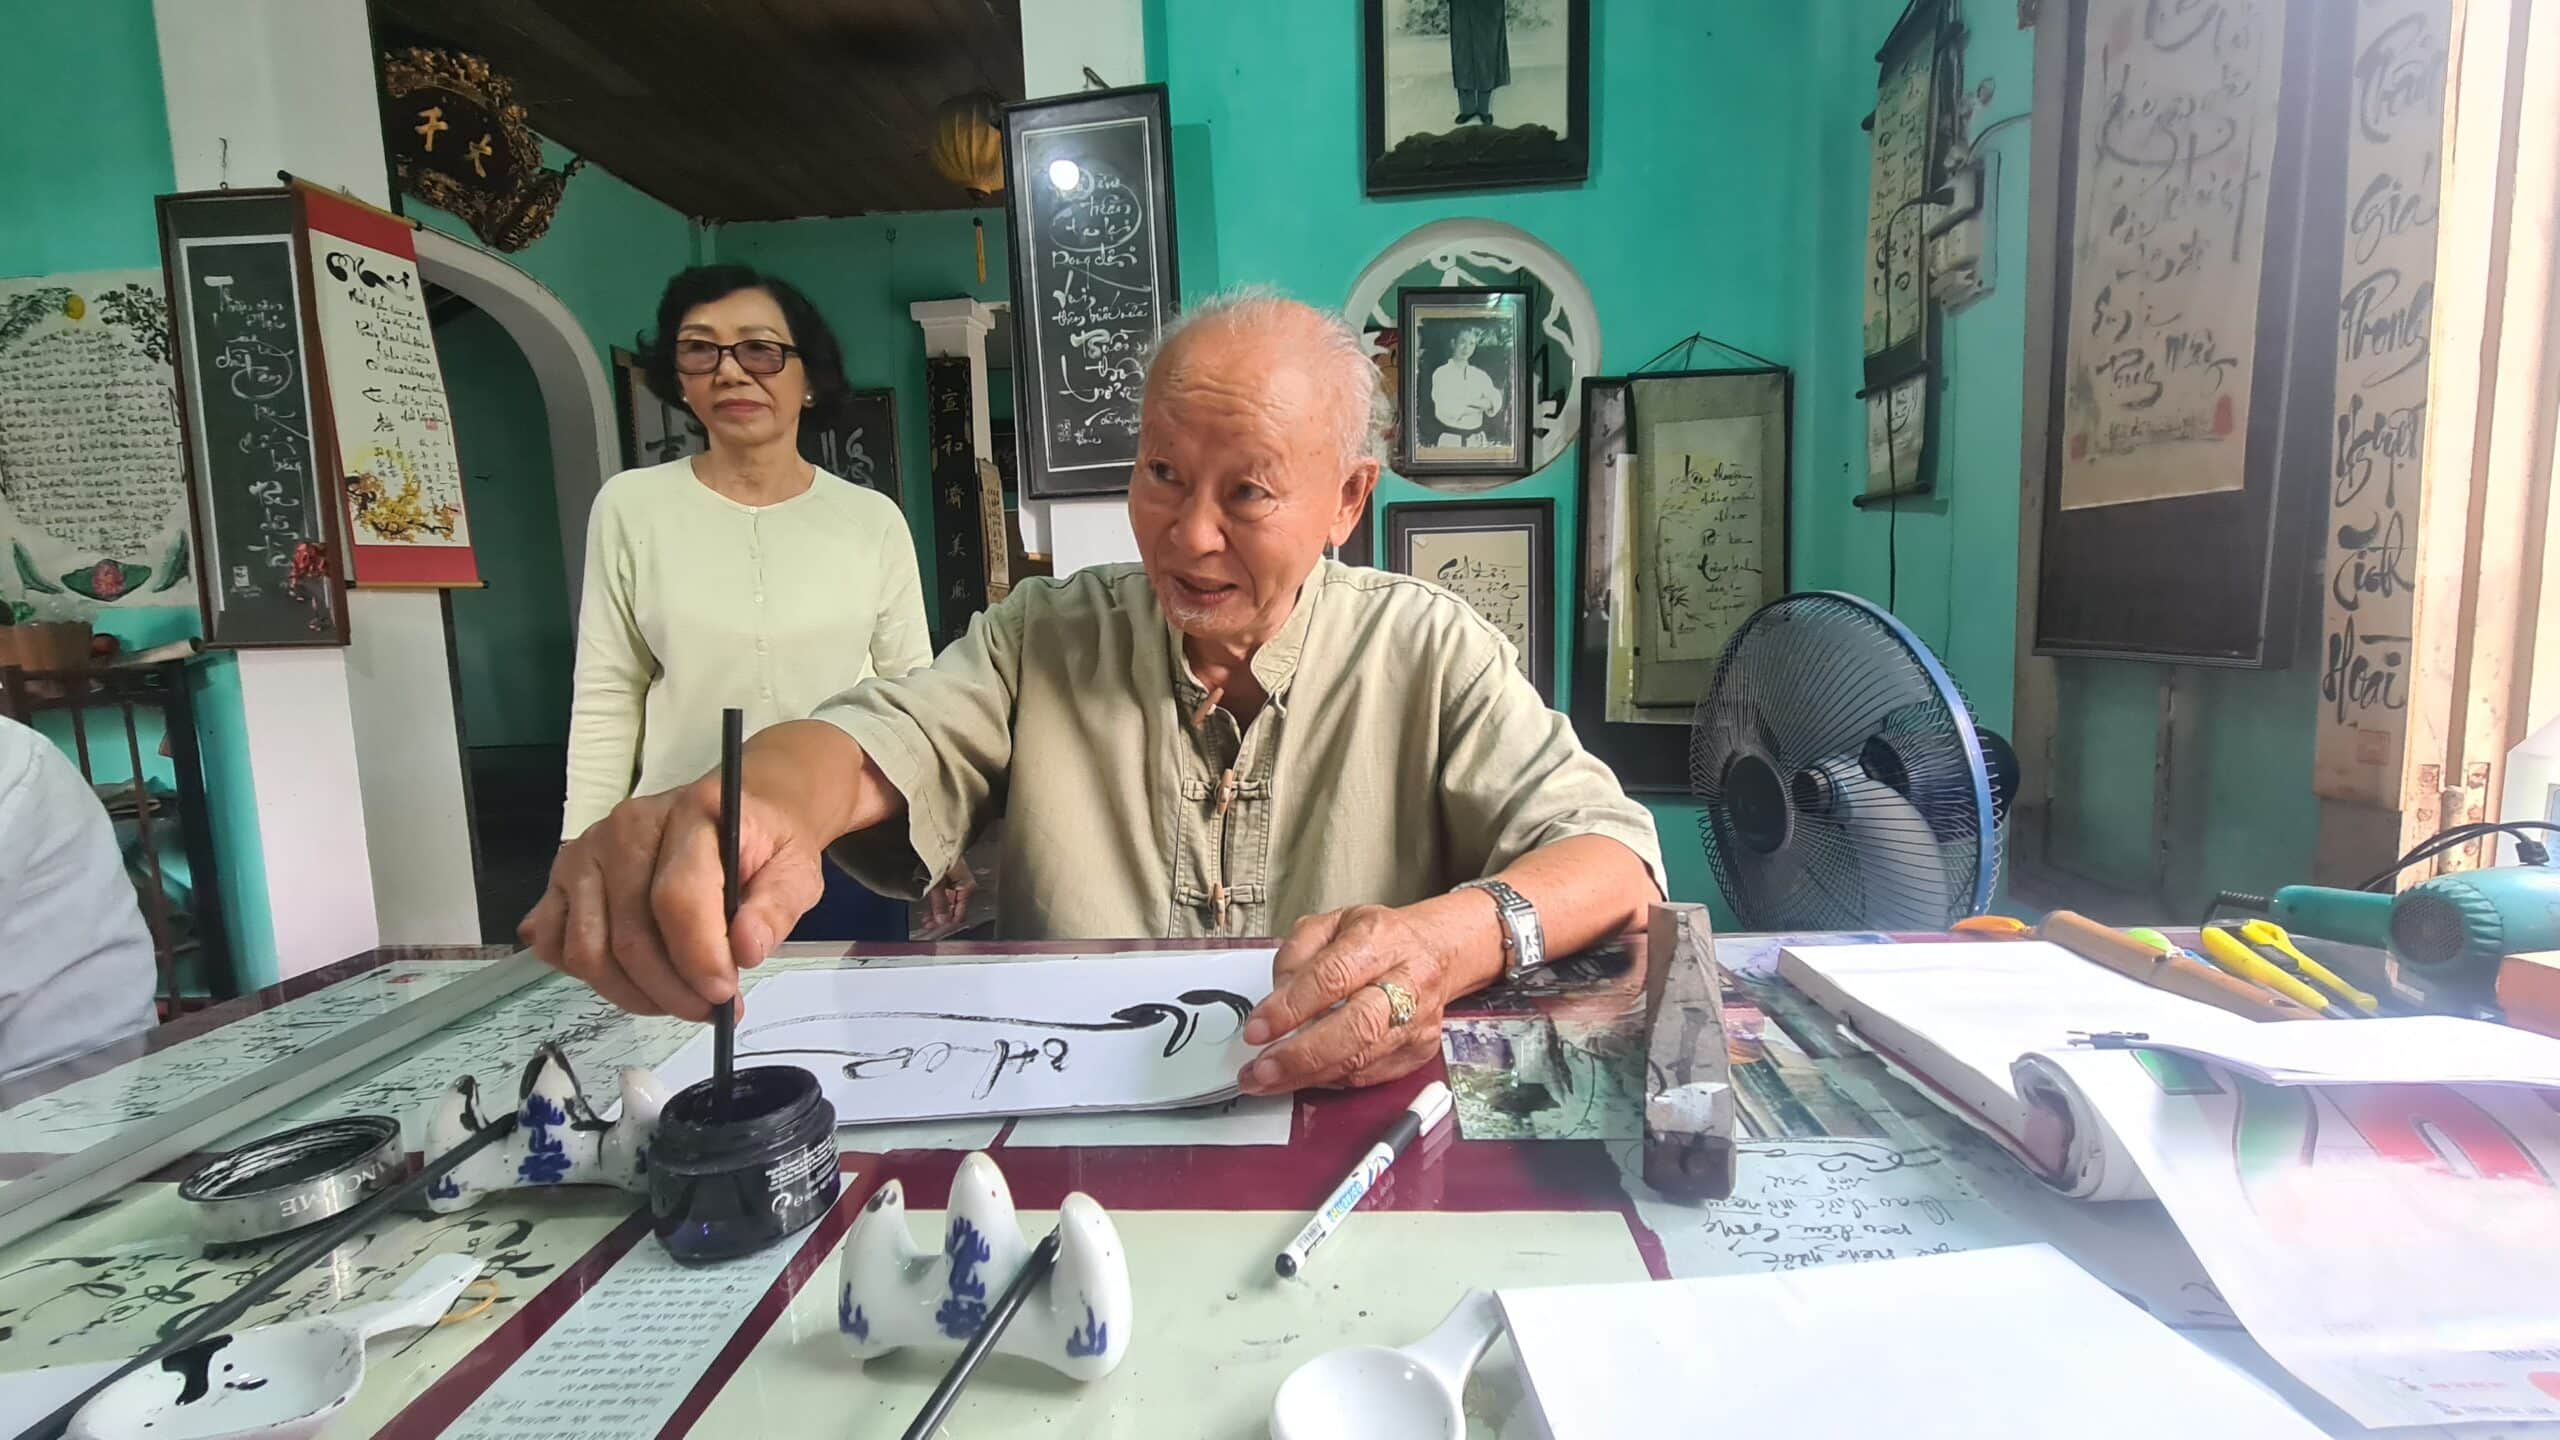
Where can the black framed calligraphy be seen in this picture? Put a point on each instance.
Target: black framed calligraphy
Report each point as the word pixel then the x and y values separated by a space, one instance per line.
pixel 253 413
pixel 1687 503
pixel 1089 197
pixel 1498 556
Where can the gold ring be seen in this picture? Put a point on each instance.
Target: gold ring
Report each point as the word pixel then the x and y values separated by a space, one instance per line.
pixel 1399 1003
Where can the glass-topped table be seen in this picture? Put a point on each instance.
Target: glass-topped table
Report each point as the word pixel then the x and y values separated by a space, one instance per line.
pixel 592 1331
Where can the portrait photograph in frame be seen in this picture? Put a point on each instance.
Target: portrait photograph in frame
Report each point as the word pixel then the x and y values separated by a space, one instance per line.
pixel 1499 557
pixel 1685 502
pixel 1462 399
pixel 1476 94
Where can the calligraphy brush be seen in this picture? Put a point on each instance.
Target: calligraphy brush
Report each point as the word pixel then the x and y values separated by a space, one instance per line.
pixel 937 1406
pixel 218 1318
pixel 724 1020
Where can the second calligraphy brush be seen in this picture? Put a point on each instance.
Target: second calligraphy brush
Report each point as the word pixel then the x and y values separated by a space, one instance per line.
pixel 724 1021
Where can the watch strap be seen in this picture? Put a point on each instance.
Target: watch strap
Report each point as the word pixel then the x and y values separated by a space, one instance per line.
pixel 1524 941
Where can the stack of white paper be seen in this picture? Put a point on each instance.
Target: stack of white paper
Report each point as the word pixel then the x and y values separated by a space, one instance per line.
pixel 2416 1050
pixel 1980 1345
pixel 1957 1017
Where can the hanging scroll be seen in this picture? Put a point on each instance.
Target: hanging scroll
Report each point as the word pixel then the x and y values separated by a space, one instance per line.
pixel 2177 139
pixel 2395 136
pixel 93 484
pixel 254 417
pixel 1898 344
pixel 398 473
pixel 951 468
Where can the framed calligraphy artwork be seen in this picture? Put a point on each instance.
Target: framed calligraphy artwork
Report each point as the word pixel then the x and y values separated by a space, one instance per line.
pixel 93 485
pixel 1499 557
pixel 1089 194
pixel 395 460
pixel 653 431
pixel 2178 134
pixel 254 420
pixel 2195 326
pixel 859 442
pixel 1685 519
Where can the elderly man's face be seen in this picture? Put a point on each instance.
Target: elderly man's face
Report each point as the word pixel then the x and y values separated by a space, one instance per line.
pixel 1240 482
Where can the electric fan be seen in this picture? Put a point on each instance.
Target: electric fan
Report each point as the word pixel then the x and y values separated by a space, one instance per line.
pixel 1842 782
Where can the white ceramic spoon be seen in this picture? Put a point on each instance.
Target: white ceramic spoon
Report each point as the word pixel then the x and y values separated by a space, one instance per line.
pixel 1373 1392
pixel 276 1382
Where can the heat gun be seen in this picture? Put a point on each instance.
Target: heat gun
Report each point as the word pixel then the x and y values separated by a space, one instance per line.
pixel 2449 932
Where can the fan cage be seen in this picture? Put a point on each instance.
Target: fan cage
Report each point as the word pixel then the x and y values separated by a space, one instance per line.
pixel 1828 691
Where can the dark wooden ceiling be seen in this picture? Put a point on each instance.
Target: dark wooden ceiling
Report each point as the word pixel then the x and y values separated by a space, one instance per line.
pixel 740 109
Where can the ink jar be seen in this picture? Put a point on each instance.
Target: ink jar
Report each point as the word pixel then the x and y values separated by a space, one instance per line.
pixel 730 1177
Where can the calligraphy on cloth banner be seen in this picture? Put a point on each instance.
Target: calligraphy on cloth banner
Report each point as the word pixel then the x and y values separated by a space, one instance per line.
pixel 2168 245
pixel 2395 135
pixel 399 474
pixel 93 481
pixel 951 469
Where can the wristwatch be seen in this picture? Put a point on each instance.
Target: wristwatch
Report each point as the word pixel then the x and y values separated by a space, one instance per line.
pixel 1524 941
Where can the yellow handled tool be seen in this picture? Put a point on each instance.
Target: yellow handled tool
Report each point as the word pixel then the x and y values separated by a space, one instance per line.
pixel 2268 935
pixel 2230 952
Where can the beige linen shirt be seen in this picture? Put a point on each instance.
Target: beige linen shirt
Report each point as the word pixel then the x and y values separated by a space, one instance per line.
pixel 1402 752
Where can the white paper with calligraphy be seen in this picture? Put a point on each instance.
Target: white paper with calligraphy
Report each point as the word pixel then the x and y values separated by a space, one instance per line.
pixel 1704 570
pixel 403 477
pixel 93 489
pixel 1490 570
pixel 1012 1037
pixel 2178 111
pixel 2395 133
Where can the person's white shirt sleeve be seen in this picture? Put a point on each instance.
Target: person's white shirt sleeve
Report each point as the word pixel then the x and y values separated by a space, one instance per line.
pixel 76 965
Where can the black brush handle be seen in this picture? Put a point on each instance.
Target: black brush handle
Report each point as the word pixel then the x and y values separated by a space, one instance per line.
pixel 1044 1258
pixel 724 1021
pixel 222 1316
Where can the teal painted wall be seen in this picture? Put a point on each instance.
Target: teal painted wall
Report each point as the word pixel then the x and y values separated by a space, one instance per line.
pixel 1727 195
pixel 78 196
pixel 608 253
pixel 862 274
pixel 1696 216
pixel 514 640
pixel 1956 548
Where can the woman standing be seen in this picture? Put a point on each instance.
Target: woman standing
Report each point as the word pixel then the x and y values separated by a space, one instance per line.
pixel 743 576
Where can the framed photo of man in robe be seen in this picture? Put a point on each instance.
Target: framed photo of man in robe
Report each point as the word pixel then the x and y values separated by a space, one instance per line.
pixel 1477 94
pixel 1462 400
pixel 1499 557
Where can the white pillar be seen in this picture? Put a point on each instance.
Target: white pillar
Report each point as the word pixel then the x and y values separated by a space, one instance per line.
pixel 353 754
pixel 958 327
pixel 1061 39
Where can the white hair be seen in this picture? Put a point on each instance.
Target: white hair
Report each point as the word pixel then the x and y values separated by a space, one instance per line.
pixel 1341 362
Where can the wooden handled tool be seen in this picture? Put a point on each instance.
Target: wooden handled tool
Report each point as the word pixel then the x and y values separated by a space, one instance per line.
pixel 2166 970
pixel 1689 1112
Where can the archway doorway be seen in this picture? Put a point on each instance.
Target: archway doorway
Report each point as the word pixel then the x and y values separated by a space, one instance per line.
pixel 533 420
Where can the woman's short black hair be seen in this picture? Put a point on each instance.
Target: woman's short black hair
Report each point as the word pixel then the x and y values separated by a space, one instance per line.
pixel 820 357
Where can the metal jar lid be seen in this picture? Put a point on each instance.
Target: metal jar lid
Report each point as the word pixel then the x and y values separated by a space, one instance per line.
pixel 284 1182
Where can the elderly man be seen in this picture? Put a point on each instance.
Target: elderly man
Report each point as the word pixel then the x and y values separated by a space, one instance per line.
pixel 1237 737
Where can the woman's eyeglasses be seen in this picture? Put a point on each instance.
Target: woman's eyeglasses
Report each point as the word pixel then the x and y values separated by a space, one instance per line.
pixel 756 357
